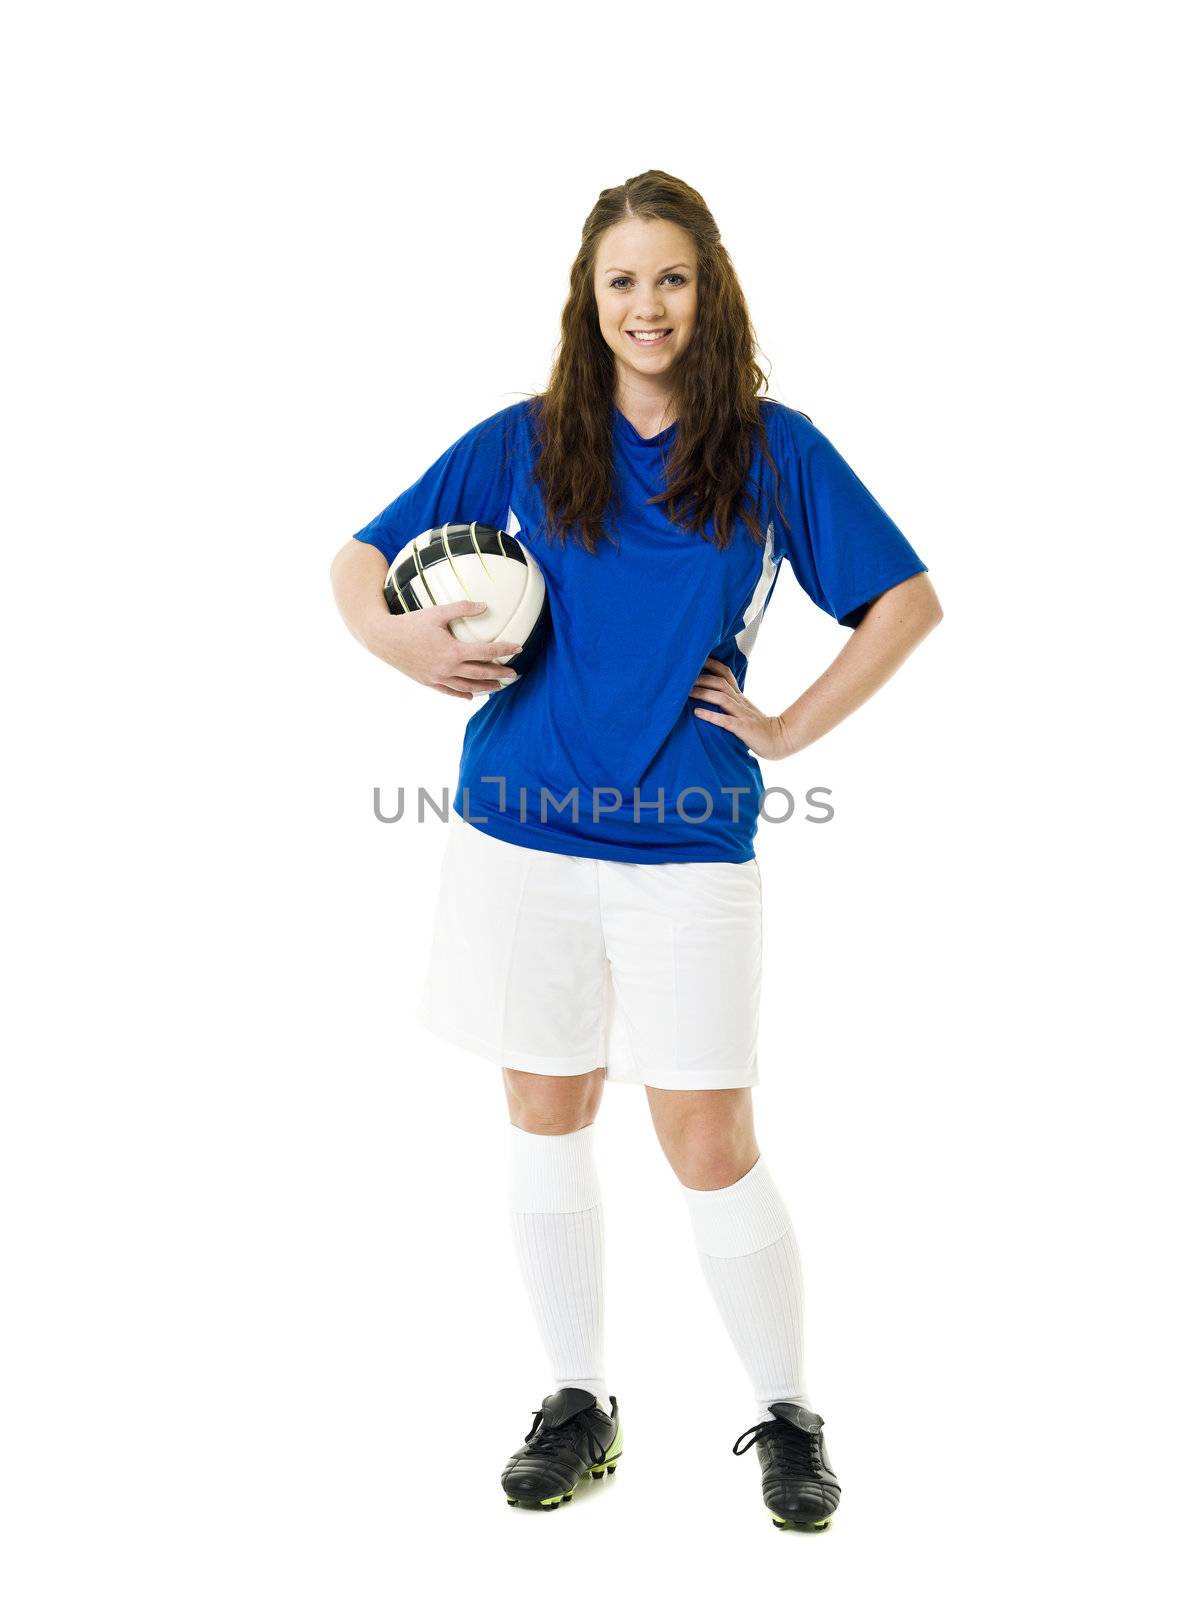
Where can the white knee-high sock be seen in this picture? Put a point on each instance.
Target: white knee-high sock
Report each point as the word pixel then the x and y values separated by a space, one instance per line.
pixel 558 1229
pixel 752 1265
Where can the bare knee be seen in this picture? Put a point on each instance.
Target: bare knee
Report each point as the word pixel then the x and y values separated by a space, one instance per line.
pixel 706 1135
pixel 708 1168
pixel 543 1103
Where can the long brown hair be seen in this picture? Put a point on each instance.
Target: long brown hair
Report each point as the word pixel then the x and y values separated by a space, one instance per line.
pixel 716 383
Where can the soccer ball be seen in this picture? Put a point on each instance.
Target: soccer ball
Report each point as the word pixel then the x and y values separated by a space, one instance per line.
pixel 470 561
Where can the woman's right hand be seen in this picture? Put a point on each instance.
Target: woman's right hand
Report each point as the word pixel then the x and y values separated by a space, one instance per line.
pixel 420 644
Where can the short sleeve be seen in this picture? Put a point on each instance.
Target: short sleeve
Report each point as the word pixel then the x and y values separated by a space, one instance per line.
pixel 842 546
pixel 469 482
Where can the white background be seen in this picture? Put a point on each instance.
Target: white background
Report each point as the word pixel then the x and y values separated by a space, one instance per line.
pixel 264 1331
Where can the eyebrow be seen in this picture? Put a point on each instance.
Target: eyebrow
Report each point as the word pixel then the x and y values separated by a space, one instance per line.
pixel 661 270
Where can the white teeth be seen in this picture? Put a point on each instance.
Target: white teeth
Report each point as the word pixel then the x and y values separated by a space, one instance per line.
pixel 650 338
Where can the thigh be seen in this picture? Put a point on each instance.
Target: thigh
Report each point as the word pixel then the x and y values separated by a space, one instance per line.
pixel 684 940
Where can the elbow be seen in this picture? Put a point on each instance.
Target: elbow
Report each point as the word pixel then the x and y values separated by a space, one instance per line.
pixel 921 619
pixel 912 607
pixel 931 612
pixel 927 620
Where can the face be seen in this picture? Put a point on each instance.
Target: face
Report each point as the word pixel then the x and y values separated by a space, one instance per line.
pixel 645 279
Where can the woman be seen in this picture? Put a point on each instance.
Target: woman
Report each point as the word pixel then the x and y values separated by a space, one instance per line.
pixel 599 882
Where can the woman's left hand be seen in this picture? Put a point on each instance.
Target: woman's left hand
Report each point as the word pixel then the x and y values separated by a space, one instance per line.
pixel 765 735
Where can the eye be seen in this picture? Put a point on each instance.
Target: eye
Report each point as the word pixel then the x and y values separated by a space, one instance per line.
pixel 675 275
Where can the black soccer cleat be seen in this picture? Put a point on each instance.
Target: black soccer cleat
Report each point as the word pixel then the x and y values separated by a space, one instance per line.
pixel 571 1435
pixel 800 1488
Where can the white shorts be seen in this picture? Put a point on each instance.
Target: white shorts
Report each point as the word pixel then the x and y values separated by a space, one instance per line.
pixel 561 964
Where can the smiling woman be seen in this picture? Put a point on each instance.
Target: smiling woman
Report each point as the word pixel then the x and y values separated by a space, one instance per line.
pixel 620 941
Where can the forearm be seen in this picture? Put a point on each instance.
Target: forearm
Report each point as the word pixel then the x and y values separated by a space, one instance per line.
pixel 887 635
pixel 357 576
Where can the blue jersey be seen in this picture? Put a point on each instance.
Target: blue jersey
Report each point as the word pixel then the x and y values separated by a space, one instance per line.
pixel 596 749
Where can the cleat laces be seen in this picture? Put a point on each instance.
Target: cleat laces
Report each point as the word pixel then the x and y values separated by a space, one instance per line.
pixel 790 1446
pixel 549 1440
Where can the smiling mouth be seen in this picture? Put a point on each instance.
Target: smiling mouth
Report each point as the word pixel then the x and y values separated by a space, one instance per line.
pixel 650 338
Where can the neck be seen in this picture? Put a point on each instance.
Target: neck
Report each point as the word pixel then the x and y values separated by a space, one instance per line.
pixel 650 410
